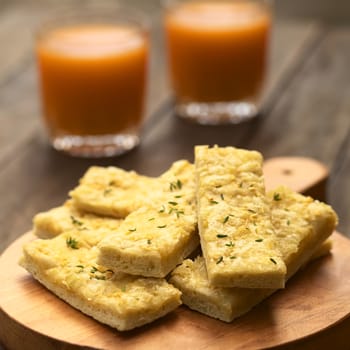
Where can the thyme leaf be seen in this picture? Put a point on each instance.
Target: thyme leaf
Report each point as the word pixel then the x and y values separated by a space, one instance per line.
pixel 72 243
pixel 221 259
pixel 100 275
pixel 75 221
pixel 276 196
pixel 273 260
pixel 175 185
pixel 107 191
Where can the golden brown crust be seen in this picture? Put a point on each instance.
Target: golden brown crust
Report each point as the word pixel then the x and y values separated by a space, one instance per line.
pixel 302 225
pixel 112 191
pixel 237 236
pixel 155 238
pixel 67 217
pixel 118 300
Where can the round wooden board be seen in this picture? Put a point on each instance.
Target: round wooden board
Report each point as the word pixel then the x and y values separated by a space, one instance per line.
pixel 314 300
pixel 305 175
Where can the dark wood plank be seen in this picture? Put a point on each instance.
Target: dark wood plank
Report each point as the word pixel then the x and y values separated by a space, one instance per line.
pixel 325 10
pixel 313 109
pixel 16 39
pixel 339 187
pixel 291 43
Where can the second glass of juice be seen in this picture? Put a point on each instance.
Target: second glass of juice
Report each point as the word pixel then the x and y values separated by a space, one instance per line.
pixel 217 57
pixel 93 69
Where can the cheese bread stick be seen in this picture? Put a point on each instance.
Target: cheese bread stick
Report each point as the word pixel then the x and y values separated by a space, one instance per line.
pixel 69 269
pixel 302 225
pixel 67 217
pixel 112 191
pixel 233 215
pixel 155 238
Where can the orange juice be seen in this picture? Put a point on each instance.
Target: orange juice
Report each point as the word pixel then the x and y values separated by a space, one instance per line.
pixel 217 49
pixel 92 78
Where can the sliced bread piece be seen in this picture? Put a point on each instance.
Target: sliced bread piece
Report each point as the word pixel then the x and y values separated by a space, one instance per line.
pixel 302 226
pixel 233 215
pixel 155 238
pixel 70 270
pixel 112 191
pixel 67 217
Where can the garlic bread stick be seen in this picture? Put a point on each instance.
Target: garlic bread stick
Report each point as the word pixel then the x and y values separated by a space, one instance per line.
pixel 302 226
pixel 155 238
pixel 69 269
pixel 233 215
pixel 67 217
pixel 111 191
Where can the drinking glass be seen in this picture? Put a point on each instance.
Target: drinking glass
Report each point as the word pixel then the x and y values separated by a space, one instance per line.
pixel 92 69
pixel 217 56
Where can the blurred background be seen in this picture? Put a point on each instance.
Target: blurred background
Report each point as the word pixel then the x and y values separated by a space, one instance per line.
pixel 20 18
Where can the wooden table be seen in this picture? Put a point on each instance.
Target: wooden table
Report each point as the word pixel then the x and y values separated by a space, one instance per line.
pixel 306 113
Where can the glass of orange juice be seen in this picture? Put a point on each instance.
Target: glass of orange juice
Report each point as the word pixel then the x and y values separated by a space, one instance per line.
pixel 217 57
pixel 93 70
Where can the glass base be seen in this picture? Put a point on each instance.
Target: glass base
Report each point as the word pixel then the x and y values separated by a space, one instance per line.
pixel 216 113
pixel 96 146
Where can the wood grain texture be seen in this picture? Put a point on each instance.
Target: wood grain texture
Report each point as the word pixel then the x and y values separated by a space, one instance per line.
pixel 321 9
pixel 313 111
pixel 339 185
pixel 303 175
pixel 314 300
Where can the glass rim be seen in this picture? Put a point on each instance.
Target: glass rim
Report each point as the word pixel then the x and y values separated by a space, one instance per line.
pixel 101 14
pixel 168 4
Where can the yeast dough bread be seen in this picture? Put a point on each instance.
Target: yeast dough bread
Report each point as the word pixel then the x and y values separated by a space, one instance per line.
pixel 111 191
pixel 233 215
pixel 155 238
pixel 301 224
pixel 68 267
pixel 108 250
pixel 67 217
